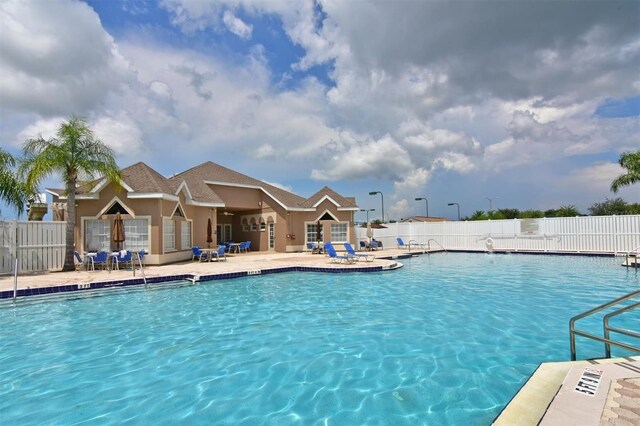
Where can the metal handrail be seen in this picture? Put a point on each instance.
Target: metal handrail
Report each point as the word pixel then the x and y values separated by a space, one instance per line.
pixel 635 254
pixel 429 244
pixel 137 255
pixel 573 332
pixel 608 328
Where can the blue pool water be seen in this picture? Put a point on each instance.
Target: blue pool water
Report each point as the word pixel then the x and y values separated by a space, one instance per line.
pixel 448 339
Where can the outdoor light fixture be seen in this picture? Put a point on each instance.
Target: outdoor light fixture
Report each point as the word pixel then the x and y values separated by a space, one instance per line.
pixel 382 197
pixel 456 204
pixel 426 201
pixel 367 210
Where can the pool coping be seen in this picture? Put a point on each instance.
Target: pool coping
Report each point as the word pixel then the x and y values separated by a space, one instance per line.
pixel 530 404
pixel 192 277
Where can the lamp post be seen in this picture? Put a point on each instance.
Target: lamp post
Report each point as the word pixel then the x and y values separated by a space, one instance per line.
pixel 382 197
pixel 456 204
pixel 367 210
pixel 426 201
pixel 490 203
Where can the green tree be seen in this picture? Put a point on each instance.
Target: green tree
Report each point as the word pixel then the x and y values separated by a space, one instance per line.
pixel 567 211
pixel 76 155
pixel 631 162
pixel 609 207
pixel 478 215
pixel 507 213
pixel 551 213
pixel 12 190
pixel 530 214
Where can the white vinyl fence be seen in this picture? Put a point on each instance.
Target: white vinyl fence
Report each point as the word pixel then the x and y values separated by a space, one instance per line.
pixel 39 246
pixel 585 234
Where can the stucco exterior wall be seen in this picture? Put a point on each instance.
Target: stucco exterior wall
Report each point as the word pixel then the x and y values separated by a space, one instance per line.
pixel 249 212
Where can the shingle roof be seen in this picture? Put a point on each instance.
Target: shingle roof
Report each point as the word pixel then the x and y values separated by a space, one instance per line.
pixel 344 202
pixel 212 172
pixel 142 178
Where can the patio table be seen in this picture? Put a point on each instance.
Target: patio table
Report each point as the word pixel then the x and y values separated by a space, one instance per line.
pixel 234 247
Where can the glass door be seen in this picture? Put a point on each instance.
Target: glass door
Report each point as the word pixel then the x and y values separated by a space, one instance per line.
pixel 272 236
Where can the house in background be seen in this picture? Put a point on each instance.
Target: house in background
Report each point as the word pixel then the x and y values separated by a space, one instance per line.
pixel 167 216
pixel 423 219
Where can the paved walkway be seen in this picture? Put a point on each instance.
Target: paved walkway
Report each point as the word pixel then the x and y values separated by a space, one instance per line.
pixel 234 263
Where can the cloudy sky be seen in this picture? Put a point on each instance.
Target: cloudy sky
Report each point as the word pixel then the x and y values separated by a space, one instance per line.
pixel 529 103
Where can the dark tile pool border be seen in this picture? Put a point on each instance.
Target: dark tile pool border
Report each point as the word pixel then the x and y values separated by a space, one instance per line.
pixel 99 285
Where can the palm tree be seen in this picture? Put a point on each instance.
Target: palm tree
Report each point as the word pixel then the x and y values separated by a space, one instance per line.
pixel 631 162
pixel 567 211
pixel 75 154
pixel 12 190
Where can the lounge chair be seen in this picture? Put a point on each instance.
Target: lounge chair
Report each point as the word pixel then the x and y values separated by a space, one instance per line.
pixel 401 244
pixel 101 259
pixel 123 258
pixel 335 257
pixel 88 260
pixel 375 245
pixel 358 256
pixel 199 254
pixel 219 254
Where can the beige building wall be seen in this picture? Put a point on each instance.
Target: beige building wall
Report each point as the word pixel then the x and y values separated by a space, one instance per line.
pixel 253 215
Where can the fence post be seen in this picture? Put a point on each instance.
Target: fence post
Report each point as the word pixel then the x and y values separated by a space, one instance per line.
pixel 576 234
pixel 615 235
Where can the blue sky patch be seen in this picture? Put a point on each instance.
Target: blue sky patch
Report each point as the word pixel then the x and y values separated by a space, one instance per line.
pixel 619 108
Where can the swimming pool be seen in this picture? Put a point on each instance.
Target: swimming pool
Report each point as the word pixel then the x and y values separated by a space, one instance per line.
pixel 447 339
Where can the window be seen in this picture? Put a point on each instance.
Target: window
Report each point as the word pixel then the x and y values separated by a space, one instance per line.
pixel 136 234
pixel 185 235
pixel 312 234
pixel 97 236
pixel 339 231
pixel 169 234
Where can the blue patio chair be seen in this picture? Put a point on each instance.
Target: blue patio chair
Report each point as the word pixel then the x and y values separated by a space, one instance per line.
pixel 220 254
pixel 88 260
pixel 247 247
pixel 199 254
pixel 375 245
pixel 314 248
pixel 101 259
pixel 358 256
pixel 401 244
pixel 363 245
pixel 335 257
pixel 123 260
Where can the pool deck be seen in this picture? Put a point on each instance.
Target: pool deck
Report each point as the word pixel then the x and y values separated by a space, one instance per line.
pixel 235 265
pixel 548 397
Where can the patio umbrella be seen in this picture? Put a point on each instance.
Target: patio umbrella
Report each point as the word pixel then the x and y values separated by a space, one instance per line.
pixel 318 232
pixel 117 234
pixel 209 233
pixel 369 231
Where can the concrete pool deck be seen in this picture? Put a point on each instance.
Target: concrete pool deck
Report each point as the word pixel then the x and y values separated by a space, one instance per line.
pixel 548 397
pixel 235 263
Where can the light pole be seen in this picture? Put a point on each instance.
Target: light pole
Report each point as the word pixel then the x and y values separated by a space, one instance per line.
pixel 490 203
pixel 426 201
pixel 456 204
pixel 382 197
pixel 368 210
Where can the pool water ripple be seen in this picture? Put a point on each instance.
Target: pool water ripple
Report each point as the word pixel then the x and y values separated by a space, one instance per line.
pixel 448 339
